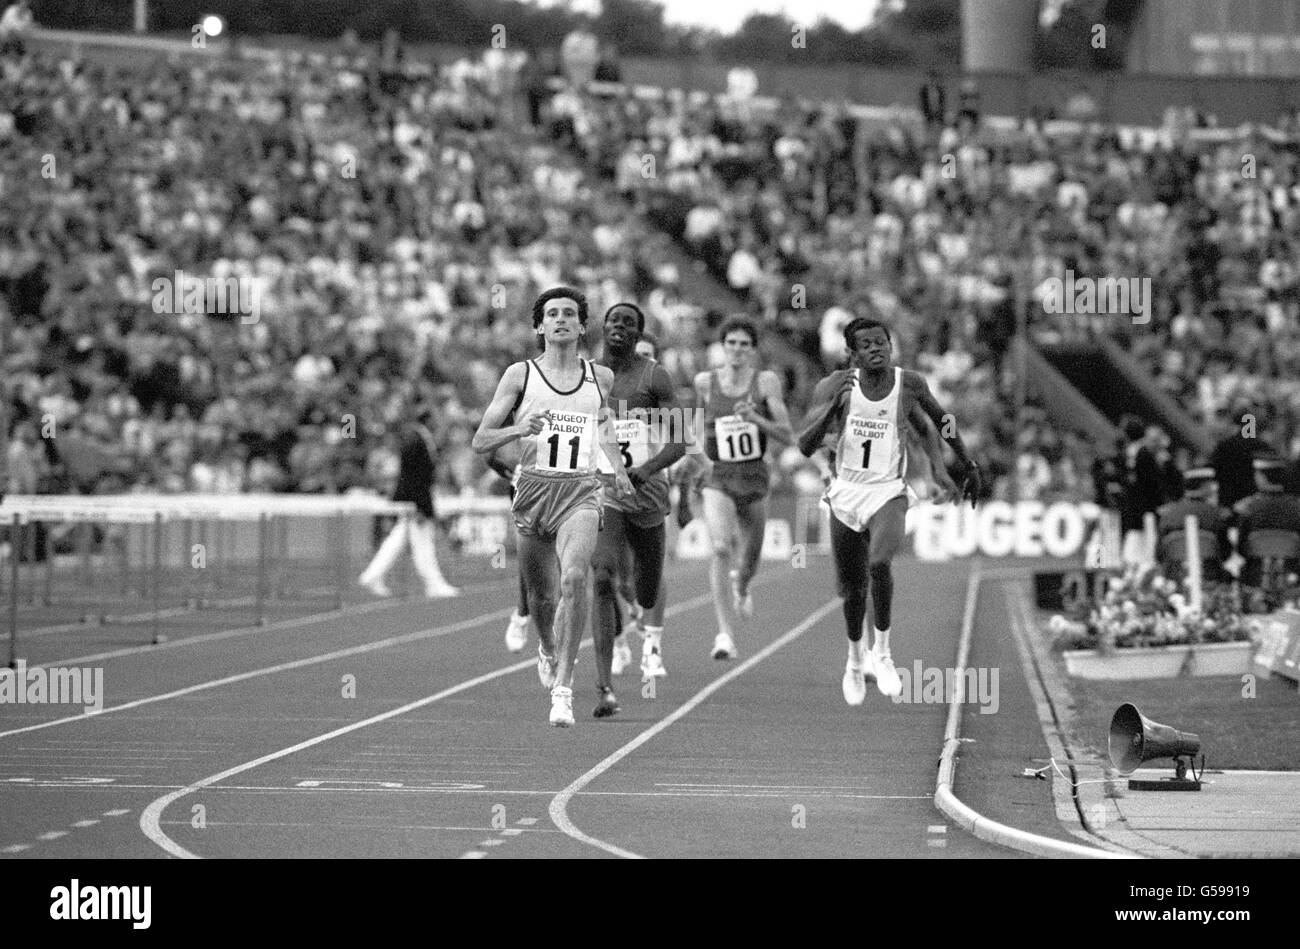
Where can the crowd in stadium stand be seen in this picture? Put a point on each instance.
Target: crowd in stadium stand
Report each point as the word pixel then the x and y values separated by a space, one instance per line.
pixel 399 224
pixel 355 200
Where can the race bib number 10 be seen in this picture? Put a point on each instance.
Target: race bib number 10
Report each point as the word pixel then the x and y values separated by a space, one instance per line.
pixel 566 443
pixel 737 439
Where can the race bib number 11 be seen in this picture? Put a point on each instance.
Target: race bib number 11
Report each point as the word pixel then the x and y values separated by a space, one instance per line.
pixel 566 443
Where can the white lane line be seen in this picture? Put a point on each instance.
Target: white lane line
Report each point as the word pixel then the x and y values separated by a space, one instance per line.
pixel 16 848
pixel 473 855
pixel 402 640
pixel 527 821
pixel 85 823
pixel 560 803
pixel 491 842
pixel 150 818
pixel 236 633
pixel 117 812
pixel 937 829
pixel 52 835
pixel 512 832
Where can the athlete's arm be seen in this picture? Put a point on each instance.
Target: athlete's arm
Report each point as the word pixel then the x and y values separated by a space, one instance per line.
pixel 933 451
pixel 492 434
pixel 824 411
pixel 697 463
pixel 675 432
pixel 915 383
pixel 605 434
pixel 778 426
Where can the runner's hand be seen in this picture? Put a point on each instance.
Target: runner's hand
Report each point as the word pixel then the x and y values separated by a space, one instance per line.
pixel 945 489
pixel 845 389
pixel 637 477
pixel 623 485
pixel 971 483
pixel 534 422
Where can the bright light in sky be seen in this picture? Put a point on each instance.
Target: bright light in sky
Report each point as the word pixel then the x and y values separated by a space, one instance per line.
pixel 727 15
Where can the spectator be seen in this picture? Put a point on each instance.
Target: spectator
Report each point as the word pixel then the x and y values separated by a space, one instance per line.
pixel 1233 462
pixel 1269 508
pixel 1199 500
pixel 933 100
pixel 15 28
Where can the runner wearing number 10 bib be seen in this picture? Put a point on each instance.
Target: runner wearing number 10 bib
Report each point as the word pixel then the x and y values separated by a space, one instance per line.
pixel 559 401
pixel 743 408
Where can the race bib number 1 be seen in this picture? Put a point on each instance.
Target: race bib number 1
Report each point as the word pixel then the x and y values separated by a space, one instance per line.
pixel 566 443
pixel 870 444
pixel 737 439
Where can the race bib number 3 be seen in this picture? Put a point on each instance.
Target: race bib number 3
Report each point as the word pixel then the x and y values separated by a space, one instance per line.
pixel 566 443
pixel 633 436
pixel 870 444
pixel 737 439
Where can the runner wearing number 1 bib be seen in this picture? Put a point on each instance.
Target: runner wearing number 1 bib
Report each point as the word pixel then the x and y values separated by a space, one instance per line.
pixel 559 400
pixel 870 404
pixel 742 409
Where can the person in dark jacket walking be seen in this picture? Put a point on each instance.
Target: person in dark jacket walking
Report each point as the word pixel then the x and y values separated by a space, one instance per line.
pixel 415 476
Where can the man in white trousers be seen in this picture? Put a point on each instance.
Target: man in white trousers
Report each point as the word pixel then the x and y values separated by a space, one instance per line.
pixel 415 475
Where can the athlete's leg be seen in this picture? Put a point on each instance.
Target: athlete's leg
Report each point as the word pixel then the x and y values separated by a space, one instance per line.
pixel 886 529
pixel 720 518
pixel 751 517
pixel 850 551
pixel 522 609
pixel 537 567
pixel 647 546
pixel 654 617
pixel 605 619
pixel 575 542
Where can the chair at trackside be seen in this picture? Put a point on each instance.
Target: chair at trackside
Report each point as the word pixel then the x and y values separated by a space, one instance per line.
pixel 1173 552
pixel 1275 551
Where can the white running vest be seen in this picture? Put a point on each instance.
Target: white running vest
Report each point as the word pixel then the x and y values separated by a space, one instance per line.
pixel 567 443
pixel 870 449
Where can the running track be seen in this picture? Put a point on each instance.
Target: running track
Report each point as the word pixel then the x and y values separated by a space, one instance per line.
pixel 243 745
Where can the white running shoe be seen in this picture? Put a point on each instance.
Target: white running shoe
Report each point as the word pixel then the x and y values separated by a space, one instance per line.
pixel 724 647
pixel 887 680
pixel 622 655
pixel 869 665
pixel 562 706
pixel 517 633
pixel 854 686
pixel 440 591
pixel 652 662
pixel 377 587
pixel 545 668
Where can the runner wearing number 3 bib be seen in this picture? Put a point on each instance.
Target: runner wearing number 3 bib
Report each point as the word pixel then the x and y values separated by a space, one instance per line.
pixel 651 433
pixel 742 408
pixel 869 404
pixel 559 401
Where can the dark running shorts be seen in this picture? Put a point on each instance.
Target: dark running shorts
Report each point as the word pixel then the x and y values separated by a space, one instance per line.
pixel 543 502
pixel 647 507
pixel 743 481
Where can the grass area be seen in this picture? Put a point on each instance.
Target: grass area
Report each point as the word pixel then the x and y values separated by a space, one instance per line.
pixel 1237 732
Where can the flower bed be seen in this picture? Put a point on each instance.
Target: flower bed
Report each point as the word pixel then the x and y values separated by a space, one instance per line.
pixel 1142 608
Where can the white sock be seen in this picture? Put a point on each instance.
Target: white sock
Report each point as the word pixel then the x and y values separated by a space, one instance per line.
pixel 881 647
pixel 855 652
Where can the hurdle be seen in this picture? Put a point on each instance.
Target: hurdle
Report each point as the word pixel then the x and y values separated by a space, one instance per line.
pixel 156 534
